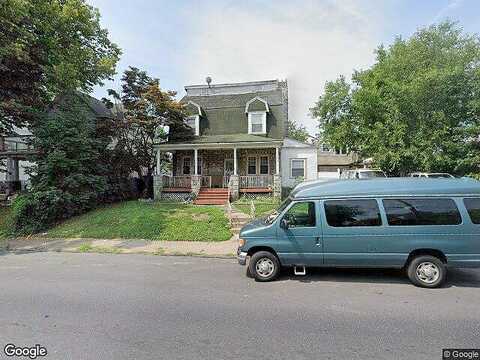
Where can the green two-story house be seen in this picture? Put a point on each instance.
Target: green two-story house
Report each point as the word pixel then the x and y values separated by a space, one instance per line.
pixel 239 147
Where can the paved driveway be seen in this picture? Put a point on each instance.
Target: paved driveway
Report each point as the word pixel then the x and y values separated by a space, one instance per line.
pixel 93 306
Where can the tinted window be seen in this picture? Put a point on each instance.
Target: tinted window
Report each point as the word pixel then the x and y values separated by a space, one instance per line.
pixel 473 208
pixel 342 213
pixel 301 214
pixel 421 212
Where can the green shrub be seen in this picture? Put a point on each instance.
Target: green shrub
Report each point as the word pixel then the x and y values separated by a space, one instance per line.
pixel 40 210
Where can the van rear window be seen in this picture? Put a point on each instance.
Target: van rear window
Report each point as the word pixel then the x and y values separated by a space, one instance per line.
pixel 343 213
pixel 473 208
pixel 412 211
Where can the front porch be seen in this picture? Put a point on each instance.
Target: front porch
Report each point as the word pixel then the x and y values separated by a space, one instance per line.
pixel 240 171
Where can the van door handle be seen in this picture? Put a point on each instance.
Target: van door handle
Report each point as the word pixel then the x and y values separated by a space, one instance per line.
pixel 317 240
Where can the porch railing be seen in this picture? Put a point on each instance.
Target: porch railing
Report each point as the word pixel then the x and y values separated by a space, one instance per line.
pixel 256 181
pixel 177 182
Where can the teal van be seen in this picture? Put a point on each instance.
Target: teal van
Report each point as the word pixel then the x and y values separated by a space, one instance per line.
pixel 422 225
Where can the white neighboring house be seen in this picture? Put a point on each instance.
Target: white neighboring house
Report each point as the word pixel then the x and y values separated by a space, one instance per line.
pixel 13 152
pixel 299 162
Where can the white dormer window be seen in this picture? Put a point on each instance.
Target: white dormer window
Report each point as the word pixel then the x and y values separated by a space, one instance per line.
pixel 257 122
pixel 194 122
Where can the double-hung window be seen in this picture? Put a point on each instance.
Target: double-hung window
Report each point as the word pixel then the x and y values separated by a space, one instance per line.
pixel 297 168
pixel 264 166
pixel 257 122
pixel 251 166
pixel 194 122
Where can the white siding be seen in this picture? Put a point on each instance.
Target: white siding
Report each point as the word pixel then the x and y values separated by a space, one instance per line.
pixel 309 153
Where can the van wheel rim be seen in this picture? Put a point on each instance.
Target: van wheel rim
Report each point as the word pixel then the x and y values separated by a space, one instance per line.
pixel 265 267
pixel 428 272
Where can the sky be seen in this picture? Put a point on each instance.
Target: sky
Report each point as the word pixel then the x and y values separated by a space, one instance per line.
pixel 306 42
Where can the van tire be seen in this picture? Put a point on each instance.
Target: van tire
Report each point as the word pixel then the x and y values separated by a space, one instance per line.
pixel 427 271
pixel 264 266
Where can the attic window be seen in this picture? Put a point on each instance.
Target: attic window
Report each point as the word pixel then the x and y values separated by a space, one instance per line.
pixel 257 122
pixel 194 122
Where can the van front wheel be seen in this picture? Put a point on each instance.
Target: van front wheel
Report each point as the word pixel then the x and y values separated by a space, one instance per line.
pixel 264 266
pixel 427 271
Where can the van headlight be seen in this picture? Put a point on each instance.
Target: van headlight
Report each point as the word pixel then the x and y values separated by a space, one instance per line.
pixel 241 242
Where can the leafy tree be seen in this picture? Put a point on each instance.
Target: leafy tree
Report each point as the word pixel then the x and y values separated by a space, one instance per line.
pixel 71 174
pixel 416 108
pixel 47 47
pixel 147 112
pixel 297 132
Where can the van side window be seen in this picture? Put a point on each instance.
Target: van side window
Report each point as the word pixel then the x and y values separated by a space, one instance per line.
pixel 421 211
pixel 301 214
pixel 342 213
pixel 473 208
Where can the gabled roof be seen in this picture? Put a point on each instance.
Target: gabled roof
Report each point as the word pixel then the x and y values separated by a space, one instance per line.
pixel 223 106
pixel 233 100
pixel 256 104
pixel 196 109
pixel 97 106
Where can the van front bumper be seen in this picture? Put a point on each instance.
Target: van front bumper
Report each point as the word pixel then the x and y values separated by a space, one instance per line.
pixel 241 257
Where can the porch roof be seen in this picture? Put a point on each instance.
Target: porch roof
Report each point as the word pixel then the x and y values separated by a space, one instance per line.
pixel 223 141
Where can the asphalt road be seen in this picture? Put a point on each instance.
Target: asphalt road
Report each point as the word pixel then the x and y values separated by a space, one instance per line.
pixel 94 306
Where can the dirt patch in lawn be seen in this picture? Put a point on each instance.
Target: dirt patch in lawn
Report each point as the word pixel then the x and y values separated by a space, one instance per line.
pixel 200 217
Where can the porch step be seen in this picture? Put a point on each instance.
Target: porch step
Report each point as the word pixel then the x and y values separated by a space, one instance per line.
pixel 210 202
pixel 214 191
pixel 212 197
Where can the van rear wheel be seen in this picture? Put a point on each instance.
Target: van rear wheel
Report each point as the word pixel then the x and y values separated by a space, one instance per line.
pixel 427 271
pixel 264 266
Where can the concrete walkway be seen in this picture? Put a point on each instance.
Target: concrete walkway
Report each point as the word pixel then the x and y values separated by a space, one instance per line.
pixel 200 248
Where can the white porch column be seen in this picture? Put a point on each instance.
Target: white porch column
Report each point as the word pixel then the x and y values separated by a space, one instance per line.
pixel 158 162
pixel 277 162
pixel 195 169
pixel 234 161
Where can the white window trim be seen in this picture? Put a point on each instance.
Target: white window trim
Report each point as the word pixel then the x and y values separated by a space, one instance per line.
pixel 197 123
pixel 264 122
pixel 247 105
pixel 260 164
pixel 304 168
pixel 183 162
pixel 256 165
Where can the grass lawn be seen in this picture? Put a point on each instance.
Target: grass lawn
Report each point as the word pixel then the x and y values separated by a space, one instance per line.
pixel 152 221
pixel 4 222
pixel 262 207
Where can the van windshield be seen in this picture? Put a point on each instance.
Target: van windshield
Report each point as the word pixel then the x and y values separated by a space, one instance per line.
pixel 271 218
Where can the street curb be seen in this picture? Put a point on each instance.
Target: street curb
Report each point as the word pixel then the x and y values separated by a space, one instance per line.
pixel 35 250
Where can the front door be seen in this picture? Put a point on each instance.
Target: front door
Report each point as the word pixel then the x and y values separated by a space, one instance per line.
pixel 227 171
pixel 228 167
pixel 299 235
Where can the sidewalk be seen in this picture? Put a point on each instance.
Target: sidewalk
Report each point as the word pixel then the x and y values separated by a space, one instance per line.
pixel 199 248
